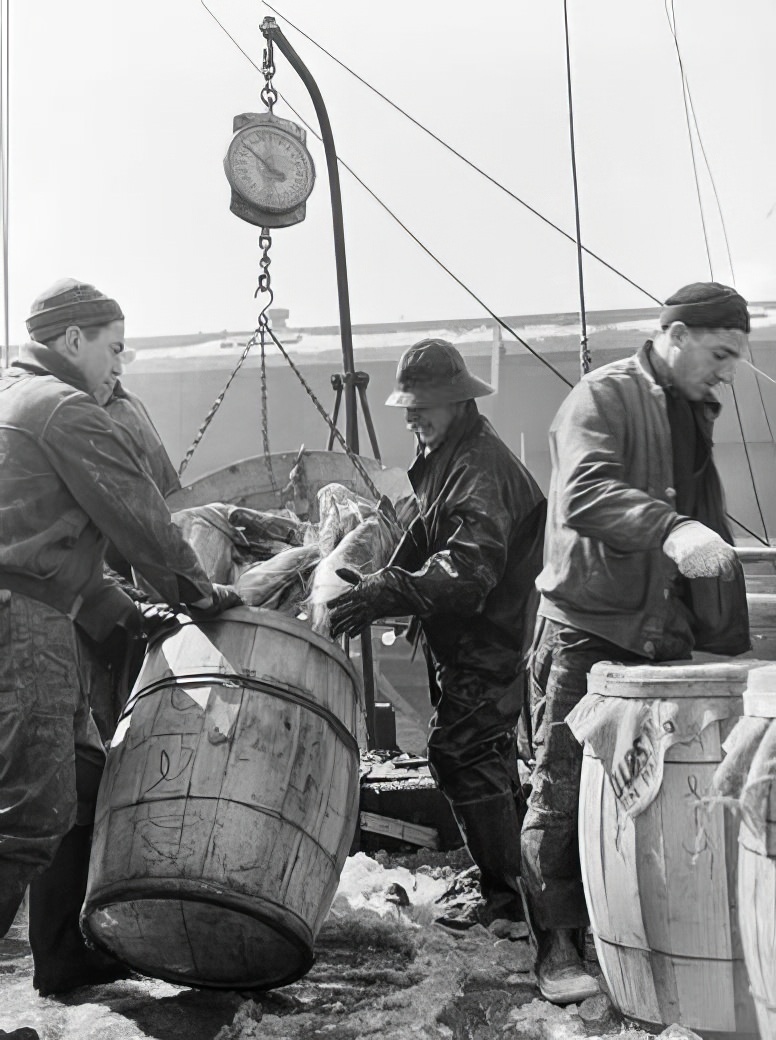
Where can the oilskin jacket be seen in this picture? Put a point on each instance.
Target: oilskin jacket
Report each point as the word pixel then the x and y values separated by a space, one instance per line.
pixel 611 505
pixel 130 412
pixel 70 479
pixel 468 564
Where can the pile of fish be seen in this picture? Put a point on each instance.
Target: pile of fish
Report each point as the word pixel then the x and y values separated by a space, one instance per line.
pixel 279 562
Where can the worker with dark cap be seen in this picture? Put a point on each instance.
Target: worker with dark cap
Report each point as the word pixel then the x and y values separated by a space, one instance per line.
pixel 466 569
pixel 71 480
pixel 639 567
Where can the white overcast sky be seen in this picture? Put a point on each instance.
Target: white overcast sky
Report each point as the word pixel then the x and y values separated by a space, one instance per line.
pixel 120 114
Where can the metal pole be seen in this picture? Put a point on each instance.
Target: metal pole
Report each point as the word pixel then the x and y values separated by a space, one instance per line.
pixel 584 353
pixel 271 31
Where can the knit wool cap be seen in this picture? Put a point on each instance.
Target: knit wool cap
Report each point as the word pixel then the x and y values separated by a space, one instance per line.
pixel 69 302
pixel 433 373
pixel 707 305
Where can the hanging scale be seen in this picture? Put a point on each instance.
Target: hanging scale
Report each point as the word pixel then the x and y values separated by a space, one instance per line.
pixel 267 164
pixel 271 174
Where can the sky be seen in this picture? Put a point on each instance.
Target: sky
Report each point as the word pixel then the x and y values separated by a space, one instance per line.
pixel 120 115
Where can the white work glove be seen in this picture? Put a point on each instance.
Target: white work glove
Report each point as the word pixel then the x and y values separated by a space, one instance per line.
pixel 700 553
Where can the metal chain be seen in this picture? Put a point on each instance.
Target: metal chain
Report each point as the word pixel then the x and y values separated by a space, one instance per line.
pixel 214 407
pixel 268 93
pixel 357 463
pixel 263 327
pixel 259 336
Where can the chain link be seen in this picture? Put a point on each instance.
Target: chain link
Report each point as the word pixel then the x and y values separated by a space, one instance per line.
pixel 357 463
pixel 259 336
pixel 264 331
pixel 268 93
pixel 263 327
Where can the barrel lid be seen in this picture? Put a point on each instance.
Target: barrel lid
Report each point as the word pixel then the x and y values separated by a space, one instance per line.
pixel 669 680
pixel 760 693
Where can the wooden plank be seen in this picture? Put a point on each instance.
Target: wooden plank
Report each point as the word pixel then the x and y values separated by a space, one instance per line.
pixel 762 611
pixel 756 554
pixel 414 833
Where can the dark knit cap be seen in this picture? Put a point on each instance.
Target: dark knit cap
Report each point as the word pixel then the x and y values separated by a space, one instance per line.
pixel 707 305
pixel 69 302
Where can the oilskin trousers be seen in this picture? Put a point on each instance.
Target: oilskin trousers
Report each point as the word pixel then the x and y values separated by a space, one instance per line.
pixel 560 660
pixel 51 760
pixel 472 755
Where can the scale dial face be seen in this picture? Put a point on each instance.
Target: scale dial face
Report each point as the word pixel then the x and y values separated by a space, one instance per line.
pixel 270 168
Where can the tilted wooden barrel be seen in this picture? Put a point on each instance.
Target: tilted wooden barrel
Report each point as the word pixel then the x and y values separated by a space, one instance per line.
pixel 228 804
pixel 757 865
pixel 661 886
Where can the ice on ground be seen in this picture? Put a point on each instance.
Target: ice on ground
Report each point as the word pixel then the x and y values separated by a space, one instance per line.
pixel 366 884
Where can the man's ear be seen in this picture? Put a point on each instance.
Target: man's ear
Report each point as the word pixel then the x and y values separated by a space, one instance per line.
pixel 72 340
pixel 677 333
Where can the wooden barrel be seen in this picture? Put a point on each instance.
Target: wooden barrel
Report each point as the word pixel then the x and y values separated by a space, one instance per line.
pixel 228 804
pixel 661 886
pixel 757 870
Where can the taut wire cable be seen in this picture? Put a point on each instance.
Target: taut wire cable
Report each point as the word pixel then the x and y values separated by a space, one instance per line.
pixel 455 152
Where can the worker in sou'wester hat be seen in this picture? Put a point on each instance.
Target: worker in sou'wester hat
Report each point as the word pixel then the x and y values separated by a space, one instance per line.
pixel 466 570
pixel 72 479
pixel 639 567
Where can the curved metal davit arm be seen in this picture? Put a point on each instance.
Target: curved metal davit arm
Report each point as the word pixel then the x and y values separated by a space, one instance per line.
pixel 272 31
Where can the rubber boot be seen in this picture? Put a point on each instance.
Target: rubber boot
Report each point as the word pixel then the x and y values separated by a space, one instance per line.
pixel 60 956
pixel 560 971
pixel 491 829
pixel 10 901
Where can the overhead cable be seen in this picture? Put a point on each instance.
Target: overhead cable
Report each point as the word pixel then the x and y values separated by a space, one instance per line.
pixel 462 157
pixel 671 17
pixel 689 102
pixel 401 224
pixel 584 353
pixel 685 80
pixel 672 27
pixel 501 322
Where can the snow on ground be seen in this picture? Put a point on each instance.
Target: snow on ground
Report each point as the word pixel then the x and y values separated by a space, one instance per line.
pixel 382 969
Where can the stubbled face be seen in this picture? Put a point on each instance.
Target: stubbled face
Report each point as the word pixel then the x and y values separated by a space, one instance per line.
pixel 99 359
pixel 699 359
pixel 431 425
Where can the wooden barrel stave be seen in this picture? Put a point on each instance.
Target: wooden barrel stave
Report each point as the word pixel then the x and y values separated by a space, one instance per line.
pixel 644 911
pixel 227 803
pixel 757 864
pixel 661 888
pixel 757 889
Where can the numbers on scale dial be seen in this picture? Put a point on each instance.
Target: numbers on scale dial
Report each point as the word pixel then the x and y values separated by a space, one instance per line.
pixel 271 168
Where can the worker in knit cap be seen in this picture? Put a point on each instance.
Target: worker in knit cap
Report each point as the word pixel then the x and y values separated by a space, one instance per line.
pixel 71 479
pixel 639 566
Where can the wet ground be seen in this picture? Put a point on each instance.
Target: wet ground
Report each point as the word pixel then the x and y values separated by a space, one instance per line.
pixel 382 968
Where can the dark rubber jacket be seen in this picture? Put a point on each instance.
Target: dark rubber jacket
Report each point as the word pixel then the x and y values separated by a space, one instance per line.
pixel 71 480
pixel 466 569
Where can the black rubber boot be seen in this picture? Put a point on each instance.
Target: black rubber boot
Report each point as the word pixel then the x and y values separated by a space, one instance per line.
pixel 10 901
pixel 491 830
pixel 61 958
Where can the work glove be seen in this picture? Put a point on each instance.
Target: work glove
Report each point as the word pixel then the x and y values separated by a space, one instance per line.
pixel 699 552
pixel 224 597
pixel 353 611
pixel 156 619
